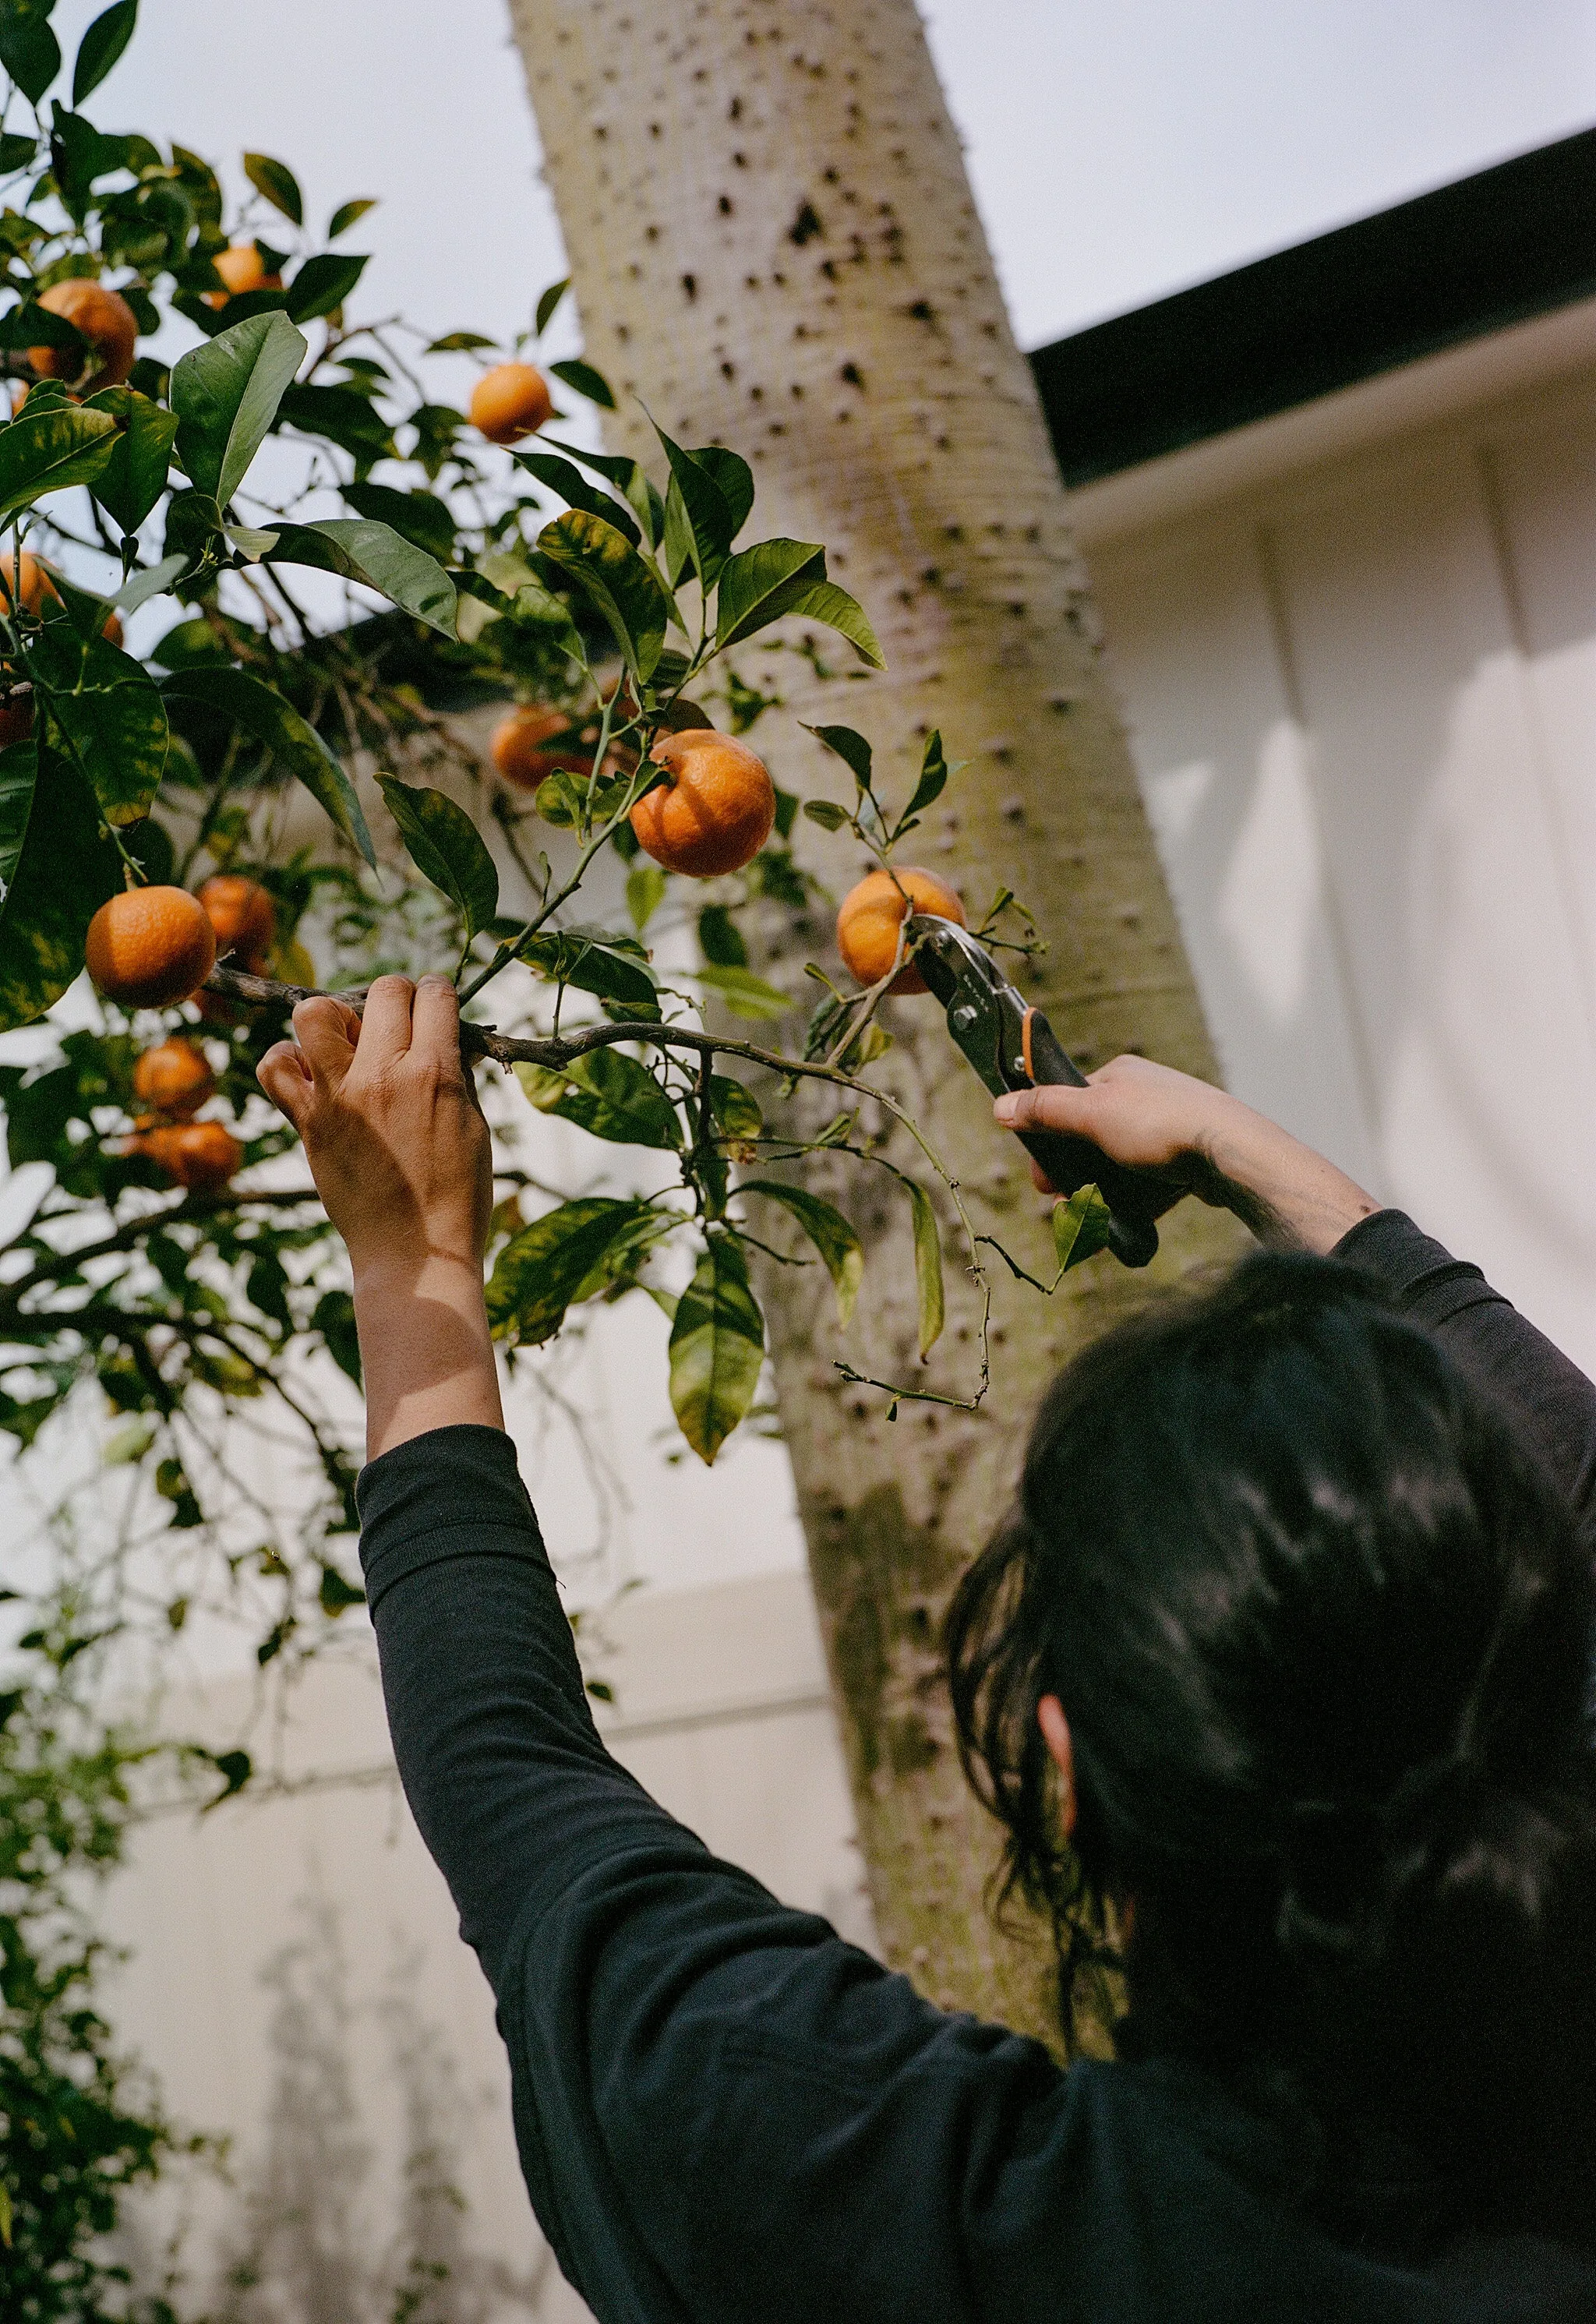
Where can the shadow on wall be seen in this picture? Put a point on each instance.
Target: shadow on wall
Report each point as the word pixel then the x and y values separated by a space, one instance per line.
pixel 309 2230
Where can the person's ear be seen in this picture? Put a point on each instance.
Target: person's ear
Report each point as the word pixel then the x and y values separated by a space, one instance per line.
pixel 1054 1728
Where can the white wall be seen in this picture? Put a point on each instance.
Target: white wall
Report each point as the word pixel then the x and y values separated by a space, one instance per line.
pixel 296 1974
pixel 1361 691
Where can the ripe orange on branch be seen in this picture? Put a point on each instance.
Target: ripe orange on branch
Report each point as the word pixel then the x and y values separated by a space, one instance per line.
pixel 151 948
pixel 510 401
pixel 27 586
pixel 714 810
pixel 241 268
pixel 518 745
pixel 173 1078
pixel 200 1155
pixel 871 914
pixel 244 916
pixel 105 320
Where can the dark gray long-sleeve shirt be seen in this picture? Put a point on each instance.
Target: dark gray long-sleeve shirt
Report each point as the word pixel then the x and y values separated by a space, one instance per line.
pixel 725 2112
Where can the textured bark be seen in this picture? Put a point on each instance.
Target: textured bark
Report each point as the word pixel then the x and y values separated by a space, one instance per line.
pixel 774 246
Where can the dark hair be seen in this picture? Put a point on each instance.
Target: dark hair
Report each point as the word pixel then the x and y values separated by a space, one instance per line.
pixel 1322 1634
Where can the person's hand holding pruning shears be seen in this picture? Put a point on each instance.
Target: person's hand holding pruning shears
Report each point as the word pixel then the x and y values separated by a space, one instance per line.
pixel 1142 1133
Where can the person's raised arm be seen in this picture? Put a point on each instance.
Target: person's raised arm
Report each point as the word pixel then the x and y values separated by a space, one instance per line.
pixel 402 1159
pixel 1200 1141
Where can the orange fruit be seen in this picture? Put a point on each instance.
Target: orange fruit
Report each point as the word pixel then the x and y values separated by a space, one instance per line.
pixel 173 1078
pixel 200 1155
pixel 871 914
pixel 510 401
pixel 517 746
pixel 244 916
pixel 31 592
pixel 16 717
pixel 112 629
pixel 241 268
pixel 105 320
pixel 714 811
pixel 151 946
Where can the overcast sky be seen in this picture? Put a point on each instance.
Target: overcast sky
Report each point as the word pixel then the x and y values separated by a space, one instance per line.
pixel 1118 152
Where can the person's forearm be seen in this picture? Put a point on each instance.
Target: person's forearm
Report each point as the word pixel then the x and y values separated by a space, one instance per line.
pixel 1290 1197
pixel 425 1351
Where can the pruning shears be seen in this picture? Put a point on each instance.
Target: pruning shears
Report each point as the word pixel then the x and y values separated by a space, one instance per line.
pixel 1012 1046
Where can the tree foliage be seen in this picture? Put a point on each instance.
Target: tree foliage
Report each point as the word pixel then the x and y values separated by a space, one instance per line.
pixel 349 565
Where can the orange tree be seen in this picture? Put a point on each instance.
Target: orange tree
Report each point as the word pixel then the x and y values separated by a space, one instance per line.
pixel 161 1269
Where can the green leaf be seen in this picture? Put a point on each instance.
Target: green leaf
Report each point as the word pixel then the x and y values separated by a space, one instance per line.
pixel 58 873
pixel 927 1265
pixel 616 469
pixel 1081 1227
pixel 612 968
pixel 109 713
pixel 345 217
pixel 935 771
pixel 420 517
pixel 614 579
pixel 775 578
pixel 16 152
pixel 711 523
pixel 744 993
pixel 608 1094
pixel 151 581
pixel 134 476
pixel 680 545
pixel 446 848
pixel 734 1110
pixel 717 1346
pixel 560 1259
pixel 322 283
pixel 344 416
pixel 336 1595
pixel 850 748
pixel 225 396
pixel 334 1317
pixel 823 601
pixel 561 477
pixel 586 381
pixel 29 50
pixel 837 1241
pixel 758 585
pixel 826 814
pixel 101 46
pixel 548 303
pixel 731 471
pixel 278 184
pixel 720 939
pixel 234 1768
pixel 366 549
pixel 292 740
pixel 456 343
pixel 645 891
pixel 49 447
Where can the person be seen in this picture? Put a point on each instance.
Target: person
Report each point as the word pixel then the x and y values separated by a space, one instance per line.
pixel 1282 1658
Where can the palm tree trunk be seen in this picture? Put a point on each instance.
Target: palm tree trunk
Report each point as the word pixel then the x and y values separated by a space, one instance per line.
pixel 774 243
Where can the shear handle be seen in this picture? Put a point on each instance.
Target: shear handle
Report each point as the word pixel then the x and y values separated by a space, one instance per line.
pixel 1068 1162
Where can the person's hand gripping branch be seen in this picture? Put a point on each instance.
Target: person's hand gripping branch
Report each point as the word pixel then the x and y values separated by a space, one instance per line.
pixel 1200 1140
pixel 403 1161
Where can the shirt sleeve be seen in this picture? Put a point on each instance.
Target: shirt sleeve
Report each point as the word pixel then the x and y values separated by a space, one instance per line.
pixel 708 2087
pixel 1548 1399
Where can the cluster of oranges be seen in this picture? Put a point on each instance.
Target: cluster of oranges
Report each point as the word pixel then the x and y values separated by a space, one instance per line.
pixel 151 948
pixel 173 1080
pixel 711 815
